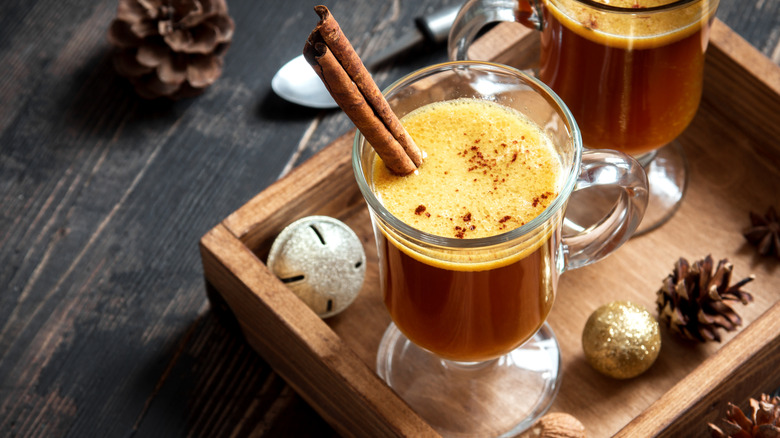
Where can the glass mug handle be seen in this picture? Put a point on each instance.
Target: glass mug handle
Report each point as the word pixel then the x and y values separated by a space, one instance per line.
pixel 601 167
pixel 476 14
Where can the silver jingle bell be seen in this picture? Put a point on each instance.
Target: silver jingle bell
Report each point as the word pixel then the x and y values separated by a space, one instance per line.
pixel 322 261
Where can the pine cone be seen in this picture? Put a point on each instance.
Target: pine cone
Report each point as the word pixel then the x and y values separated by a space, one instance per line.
pixel 764 423
pixel 170 48
pixel 765 232
pixel 695 303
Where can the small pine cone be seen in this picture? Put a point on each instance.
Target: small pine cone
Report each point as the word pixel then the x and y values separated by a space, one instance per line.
pixel 764 423
pixel 696 303
pixel 170 48
pixel 764 232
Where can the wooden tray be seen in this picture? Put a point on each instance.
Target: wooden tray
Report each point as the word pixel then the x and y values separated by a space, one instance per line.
pixel 734 154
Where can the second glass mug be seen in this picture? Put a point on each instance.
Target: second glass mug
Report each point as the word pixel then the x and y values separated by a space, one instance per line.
pixel 487 364
pixel 629 70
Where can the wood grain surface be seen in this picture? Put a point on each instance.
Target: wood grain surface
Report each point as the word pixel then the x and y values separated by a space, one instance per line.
pixel 105 329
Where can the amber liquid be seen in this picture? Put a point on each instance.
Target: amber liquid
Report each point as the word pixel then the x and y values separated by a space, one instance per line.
pixel 467 315
pixel 485 171
pixel 633 96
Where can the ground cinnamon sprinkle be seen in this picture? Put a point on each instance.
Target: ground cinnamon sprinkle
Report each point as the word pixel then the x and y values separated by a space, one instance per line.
pixel 538 199
pixel 489 167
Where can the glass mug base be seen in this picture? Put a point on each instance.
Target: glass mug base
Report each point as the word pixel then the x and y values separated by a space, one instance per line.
pixel 496 398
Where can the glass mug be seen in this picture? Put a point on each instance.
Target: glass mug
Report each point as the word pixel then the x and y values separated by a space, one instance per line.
pixel 469 348
pixel 629 70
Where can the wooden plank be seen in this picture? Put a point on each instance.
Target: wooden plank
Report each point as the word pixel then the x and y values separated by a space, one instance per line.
pixel 329 171
pixel 743 86
pixel 103 196
pixel 301 347
pixel 743 368
pixel 745 56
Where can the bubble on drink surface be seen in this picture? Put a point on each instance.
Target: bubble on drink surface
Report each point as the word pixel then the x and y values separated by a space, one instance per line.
pixel 322 261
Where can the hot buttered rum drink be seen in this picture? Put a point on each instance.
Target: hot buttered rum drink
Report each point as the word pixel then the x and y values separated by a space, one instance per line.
pixel 487 170
pixel 633 84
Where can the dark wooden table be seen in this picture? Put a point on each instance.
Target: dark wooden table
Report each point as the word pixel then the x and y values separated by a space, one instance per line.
pixel 105 329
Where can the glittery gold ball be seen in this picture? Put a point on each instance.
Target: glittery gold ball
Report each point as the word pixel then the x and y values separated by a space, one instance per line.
pixel 621 339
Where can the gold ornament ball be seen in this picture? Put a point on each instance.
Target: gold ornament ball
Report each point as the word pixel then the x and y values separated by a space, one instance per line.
pixel 621 339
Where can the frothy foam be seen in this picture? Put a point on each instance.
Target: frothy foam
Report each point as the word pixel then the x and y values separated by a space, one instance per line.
pixel 488 170
pixel 639 30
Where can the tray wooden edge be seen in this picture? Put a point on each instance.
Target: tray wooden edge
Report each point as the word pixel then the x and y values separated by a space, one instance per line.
pixel 342 388
pixel 301 347
pixel 746 365
pixel 750 59
pixel 733 63
pixel 741 369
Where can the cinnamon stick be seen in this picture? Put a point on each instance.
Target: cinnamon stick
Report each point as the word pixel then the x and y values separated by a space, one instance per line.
pixel 335 61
